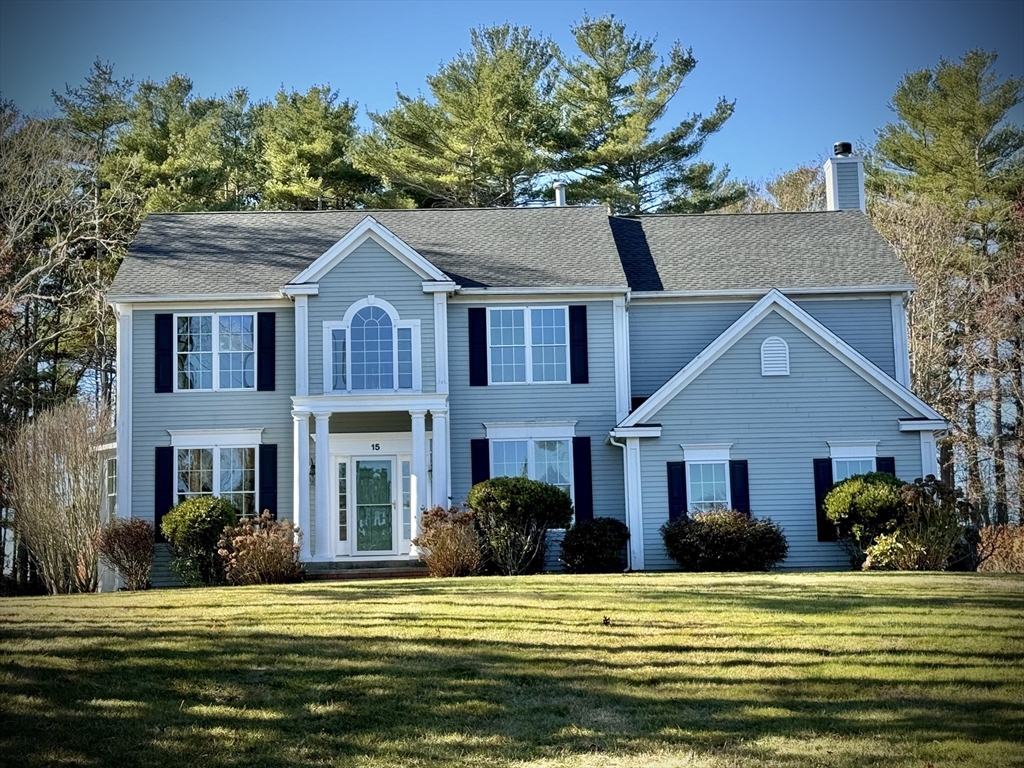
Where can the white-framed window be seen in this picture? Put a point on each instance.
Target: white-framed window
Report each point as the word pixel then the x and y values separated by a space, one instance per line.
pixel 707 477
pixel 111 485
pixel 774 357
pixel 372 350
pixel 852 457
pixel 218 463
pixel 215 351
pixel 528 345
pixel 540 451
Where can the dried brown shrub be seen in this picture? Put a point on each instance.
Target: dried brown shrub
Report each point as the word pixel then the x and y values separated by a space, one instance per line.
pixel 261 550
pixel 128 546
pixel 1002 547
pixel 448 542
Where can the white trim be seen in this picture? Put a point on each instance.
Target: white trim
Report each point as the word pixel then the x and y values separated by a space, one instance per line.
pixel 370 401
pixel 441 343
pixel 547 291
pixel 440 458
pixel 301 346
pixel 708 453
pixel 923 425
pixel 303 289
pixel 799 292
pixel 369 228
pixel 526 430
pixel 900 345
pixel 322 488
pixel 620 333
pixel 634 503
pixel 123 425
pixel 215 438
pixel 440 286
pixel 775 301
pixel 180 298
pixel 300 481
pixel 852 449
pixel 419 491
pixel 779 367
pixel 216 350
pixel 929 455
pixel 645 430
pixel 528 343
pixel 832 182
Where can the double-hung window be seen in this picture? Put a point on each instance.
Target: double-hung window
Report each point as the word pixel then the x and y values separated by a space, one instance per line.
pixel 372 350
pixel 851 458
pixel 215 351
pixel 707 477
pixel 111 485
pixel 202 467
pixel 528 345
pixel 538 451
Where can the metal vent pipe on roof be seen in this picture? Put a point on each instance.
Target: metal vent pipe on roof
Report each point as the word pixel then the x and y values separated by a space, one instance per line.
pixel 559 188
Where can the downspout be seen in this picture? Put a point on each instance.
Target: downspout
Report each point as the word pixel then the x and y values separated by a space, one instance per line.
pixel 629 549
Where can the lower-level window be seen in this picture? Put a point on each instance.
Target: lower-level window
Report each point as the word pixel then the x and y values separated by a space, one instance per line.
pixel 226 472
pixel 111 486
pixel 549 461
pixel 846 468
pixel 708 485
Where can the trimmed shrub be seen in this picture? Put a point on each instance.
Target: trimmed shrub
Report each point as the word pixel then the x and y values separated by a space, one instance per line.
pixel 128 546
pixel 892 552
pixel 514 515
pixel 194 527
pixel 595 546
pixel 724 540
pixel 261 550
pixel 862 507
pixel 1002 549
pixel 448 542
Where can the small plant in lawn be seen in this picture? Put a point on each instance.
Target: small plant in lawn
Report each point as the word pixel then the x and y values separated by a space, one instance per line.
pixel 514 515
pixel 862 507
pixel 1002 548
pixel 128 547
pixel 261 550
pixel 724 540
pixel 193 528
pixel 448 542
pixel 595 546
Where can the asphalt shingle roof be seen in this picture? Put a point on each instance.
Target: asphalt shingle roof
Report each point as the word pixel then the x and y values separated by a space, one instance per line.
pixel 201 253
pixel 211 253
pixel 712 252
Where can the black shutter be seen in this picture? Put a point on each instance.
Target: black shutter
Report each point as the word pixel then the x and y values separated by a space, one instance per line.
pixel 676 489
pixel 583 481
pixel 268 479
pixel 477 347
pixel 822 485
pixel 163 497
pixel 164 348
pixel 578 363
pixel 739 485
pixel 480 458
pixel 265 346
pixel 886 464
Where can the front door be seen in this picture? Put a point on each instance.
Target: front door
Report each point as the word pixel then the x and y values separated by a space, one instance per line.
pixel 374 505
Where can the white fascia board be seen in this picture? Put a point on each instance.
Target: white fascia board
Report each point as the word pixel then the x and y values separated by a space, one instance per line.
pixel 209 438
pixel 366 229
pixel 706 452
pixel 562 290
pixel 646 430
pixel 180 298
pixel 774 300
pixel 301 289
pixel 923 425
pixel 754 293
pixel 852 449
pixel 368 403
pixel 440 286
pixel 530 430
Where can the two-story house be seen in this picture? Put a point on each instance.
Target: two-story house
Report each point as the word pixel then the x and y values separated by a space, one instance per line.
pixel 348 369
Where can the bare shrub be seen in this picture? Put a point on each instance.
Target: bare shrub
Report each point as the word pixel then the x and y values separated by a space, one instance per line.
pixel 449 543
pixel 55 485
pixel 128 546
pixel 1002 549
pixel 261 550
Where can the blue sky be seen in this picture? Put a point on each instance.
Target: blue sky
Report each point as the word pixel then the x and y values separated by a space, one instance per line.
pixel 803 74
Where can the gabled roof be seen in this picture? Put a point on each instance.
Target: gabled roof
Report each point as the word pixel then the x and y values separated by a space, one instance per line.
pixel 775 301
pixel 756 252
pixel 250 252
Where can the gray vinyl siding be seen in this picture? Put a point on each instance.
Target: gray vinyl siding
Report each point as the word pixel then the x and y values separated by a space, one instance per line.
pixel 370 270
pixel 663 337
pixel 592 405
pixel 779 425
pixel 153 414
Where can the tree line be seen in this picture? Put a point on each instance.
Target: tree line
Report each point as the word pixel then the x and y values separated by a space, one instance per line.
pixel 493 127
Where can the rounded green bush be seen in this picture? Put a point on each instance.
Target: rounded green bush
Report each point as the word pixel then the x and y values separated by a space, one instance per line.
pixel 595 546
pixel 193 528
pixel 513 515
pixel 724 540
pixel 865 506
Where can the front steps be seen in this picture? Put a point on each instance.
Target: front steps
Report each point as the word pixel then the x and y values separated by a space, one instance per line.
pixel 370 569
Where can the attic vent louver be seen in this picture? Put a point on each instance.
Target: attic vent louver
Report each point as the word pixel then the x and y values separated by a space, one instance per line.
pixel 774 357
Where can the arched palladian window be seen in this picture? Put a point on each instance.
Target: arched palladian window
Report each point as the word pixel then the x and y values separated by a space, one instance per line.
pixel 372 350
pixel 774 357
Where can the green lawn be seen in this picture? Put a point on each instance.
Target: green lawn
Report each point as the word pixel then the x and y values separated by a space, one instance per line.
pixel 796 670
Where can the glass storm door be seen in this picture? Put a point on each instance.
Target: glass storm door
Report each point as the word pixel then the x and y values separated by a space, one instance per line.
pixel 375 505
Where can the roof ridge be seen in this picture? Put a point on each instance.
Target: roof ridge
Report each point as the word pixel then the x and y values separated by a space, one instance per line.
pixel 371 211
pixel 719 214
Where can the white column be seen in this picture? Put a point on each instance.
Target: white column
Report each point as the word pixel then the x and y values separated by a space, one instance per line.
pixel 439 431
pixel 323 476
pixel 634 504
pixel 929 456
pixel 620 335
pixel 440 346
pixel 301 346
pixel 300 491
pixel 418 481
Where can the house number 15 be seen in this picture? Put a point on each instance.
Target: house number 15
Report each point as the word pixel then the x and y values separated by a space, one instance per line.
pixel 375 446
